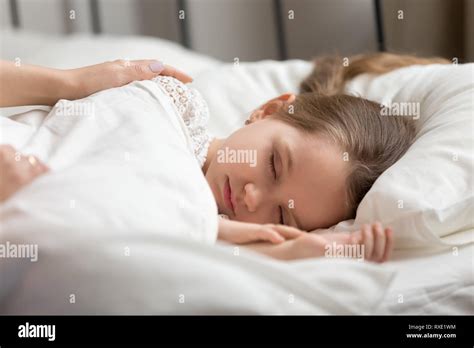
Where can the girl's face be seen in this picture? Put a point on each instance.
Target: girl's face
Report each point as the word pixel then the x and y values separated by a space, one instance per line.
pixel 271 172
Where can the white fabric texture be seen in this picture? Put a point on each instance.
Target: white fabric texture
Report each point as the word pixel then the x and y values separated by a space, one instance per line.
pixel 431 282
pixel 129 164
pixel 161 274
pixel 193 110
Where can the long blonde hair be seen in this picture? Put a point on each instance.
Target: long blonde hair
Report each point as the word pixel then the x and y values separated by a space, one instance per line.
pixel 330 74
pixel 370 143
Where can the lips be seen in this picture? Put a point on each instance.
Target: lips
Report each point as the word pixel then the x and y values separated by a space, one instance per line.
pixel 228 196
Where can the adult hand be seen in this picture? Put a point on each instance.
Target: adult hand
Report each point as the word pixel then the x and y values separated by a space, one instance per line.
pixel 24 84
pixel 17 170
pixel 94 78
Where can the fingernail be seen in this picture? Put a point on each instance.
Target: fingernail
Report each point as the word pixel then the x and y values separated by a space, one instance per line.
pixel 156 66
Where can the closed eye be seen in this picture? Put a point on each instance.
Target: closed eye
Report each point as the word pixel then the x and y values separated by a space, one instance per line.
pixel 271 163
pixel 282 222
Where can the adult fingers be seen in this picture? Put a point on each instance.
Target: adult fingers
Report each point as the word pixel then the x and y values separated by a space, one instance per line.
pixel 148 69
pixel 37 167
pixel 142 69
pixel 6 151
pixel 177 74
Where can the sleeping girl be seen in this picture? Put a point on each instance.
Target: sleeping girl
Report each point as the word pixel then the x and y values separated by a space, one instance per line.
pixel 310 159
pixel 318 153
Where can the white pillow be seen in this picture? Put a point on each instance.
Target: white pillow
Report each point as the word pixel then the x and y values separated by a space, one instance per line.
pixel 233 91
pixel 427 196
pixel 434 185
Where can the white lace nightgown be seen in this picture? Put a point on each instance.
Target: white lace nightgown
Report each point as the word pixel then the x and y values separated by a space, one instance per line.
pixel 193 109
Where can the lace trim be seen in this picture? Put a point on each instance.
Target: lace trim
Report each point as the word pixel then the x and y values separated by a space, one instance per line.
pixel 193 110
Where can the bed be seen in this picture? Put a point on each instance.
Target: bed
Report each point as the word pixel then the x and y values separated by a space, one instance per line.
pixel 105 270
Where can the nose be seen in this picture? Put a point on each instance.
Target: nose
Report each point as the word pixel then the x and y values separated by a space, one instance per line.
pixel 252 197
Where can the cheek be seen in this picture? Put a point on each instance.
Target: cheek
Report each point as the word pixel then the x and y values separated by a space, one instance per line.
pixel 238 172
pixel 240 159
pixel 248 137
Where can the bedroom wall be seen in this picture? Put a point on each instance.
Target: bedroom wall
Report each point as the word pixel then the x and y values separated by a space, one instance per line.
pixel 226 29
pixel 427 27
pixel 248 29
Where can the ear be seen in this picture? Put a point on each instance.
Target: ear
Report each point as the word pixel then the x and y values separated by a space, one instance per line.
pixel 272 106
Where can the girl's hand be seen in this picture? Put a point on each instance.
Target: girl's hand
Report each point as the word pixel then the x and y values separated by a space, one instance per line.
pixel 17 171
pixel 376 242
pixel 243 232
pixel 94 78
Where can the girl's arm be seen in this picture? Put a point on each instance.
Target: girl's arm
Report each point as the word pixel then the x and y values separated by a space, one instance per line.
pixel 375 244
pixel 282 251
pixel 23 84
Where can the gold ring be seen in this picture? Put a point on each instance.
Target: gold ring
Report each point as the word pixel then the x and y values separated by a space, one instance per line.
pixel 32 160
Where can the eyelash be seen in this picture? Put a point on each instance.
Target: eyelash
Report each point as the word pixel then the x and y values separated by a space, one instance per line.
pixel 271 162
pixel 272 165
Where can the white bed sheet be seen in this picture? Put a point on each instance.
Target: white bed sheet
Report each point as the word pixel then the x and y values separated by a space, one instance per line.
pixel 435 283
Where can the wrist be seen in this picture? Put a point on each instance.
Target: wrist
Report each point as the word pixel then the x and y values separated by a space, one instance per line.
pixel 61 85
pixel 223 226
pixel 282 251
pixel 71 84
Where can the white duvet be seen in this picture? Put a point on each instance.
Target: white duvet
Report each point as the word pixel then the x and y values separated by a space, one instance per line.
pixel 85 271
pixel 119 159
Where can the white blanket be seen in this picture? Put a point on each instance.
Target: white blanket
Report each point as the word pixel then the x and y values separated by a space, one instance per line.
pixel 82 271
pixel 119 159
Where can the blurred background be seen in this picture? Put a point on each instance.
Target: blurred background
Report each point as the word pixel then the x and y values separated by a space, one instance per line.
pixel 253 30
